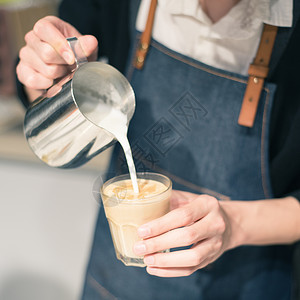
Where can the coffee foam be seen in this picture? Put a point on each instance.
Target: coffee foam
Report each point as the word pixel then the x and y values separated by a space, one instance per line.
pixel 123 190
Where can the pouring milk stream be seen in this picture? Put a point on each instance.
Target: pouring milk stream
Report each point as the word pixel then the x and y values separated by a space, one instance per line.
pixel 115 122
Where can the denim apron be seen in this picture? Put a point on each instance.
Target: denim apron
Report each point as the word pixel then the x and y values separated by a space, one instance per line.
pixel 185 126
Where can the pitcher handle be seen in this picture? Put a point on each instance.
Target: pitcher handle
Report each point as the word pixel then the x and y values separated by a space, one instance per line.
pixel 80 57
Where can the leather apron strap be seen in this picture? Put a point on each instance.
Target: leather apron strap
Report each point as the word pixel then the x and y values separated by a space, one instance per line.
pixel 257 71
pixel 145 39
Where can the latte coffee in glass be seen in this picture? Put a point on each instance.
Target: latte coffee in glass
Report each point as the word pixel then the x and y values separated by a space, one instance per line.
pixel 126 210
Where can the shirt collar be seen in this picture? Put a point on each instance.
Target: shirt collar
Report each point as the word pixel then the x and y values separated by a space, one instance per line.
pixel 273 12
pixel 241 22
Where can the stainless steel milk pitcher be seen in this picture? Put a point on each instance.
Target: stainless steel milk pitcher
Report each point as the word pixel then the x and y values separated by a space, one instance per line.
pixel 61 126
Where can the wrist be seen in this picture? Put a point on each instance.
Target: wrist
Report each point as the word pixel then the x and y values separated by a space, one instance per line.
pixel 263 222
pixel 234 211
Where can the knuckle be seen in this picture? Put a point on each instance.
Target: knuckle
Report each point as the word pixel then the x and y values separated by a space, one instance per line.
pixel 19 72
pixel 22 53
pixel 195 257
pixel 47 54
pixel 151 246
pixel 30 81
pixel 186 215
pixel 191 271
pixel 50 18
pixel 51 72
pixel 212 201
pixel 220 225
pixel 191 236
pixel 160 260
pixel 217 245
pixel 39 26
pixel 28 36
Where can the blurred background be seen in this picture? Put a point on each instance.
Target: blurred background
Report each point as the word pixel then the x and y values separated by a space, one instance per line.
pixel 47 216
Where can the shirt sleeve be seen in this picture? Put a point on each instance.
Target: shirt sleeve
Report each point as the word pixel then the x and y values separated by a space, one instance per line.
pixel 296 194
pixel 285 122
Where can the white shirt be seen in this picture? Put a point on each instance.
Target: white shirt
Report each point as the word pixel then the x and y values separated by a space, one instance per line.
pixel 229 44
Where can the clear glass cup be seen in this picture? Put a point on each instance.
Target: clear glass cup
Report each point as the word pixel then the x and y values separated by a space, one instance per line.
pixel 125 211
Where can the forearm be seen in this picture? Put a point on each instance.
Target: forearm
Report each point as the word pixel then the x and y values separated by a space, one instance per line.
pixel 263 222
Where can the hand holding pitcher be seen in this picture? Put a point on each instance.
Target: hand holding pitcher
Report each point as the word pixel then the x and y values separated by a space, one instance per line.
pixel 47 55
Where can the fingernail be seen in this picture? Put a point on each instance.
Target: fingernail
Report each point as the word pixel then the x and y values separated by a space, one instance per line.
pixel 143 231
pixel 139 248
pixel 149 260
pixel 68 57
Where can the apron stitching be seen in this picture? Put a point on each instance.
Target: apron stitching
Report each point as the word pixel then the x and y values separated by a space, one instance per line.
pixel 160 48
pixel 263 165
pixel 100 289
pixel 195 65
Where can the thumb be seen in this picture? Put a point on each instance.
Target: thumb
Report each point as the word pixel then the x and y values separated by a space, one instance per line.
pixel 89 45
